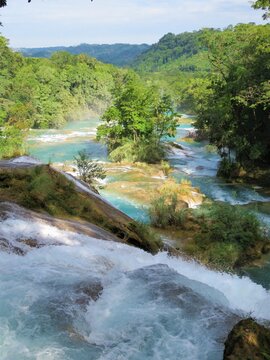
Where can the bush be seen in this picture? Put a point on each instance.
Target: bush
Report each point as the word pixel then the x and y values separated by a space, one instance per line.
pixel 228 169
pixel 89 170
pixel 166 168
pixel 149 151
pixel 141 151
pixel 150 240
pixel 231 224
pixel 223 255
pixel 227 236
pixel 123 153
pixel 164 212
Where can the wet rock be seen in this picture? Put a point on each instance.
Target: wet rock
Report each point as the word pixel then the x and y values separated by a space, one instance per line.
pixel 6 246
pixel 33 243
pixel 90 291
pixel 176 145
pixel 248 341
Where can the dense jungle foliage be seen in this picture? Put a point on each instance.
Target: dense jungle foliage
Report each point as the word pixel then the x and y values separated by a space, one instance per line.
pixel 173 62
pixel 45 93
pixel 134 125
pixel 224 78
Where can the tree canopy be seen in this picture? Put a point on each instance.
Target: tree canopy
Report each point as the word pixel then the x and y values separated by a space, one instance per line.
pixel 233 101
pixel 45 93
pixel 140 117
pixel 264 5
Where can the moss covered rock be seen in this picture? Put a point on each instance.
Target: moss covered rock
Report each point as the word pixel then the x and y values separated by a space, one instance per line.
pixel 46 190
pixel 248 341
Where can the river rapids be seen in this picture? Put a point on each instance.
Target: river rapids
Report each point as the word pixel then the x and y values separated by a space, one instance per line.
pixel 75 296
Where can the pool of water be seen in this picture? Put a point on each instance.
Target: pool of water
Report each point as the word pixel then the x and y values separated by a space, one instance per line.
pixel 63 144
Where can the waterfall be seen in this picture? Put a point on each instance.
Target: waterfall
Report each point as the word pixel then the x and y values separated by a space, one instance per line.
pixel 72 296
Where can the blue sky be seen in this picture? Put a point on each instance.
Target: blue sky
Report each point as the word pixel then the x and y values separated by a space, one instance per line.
pixel 59 22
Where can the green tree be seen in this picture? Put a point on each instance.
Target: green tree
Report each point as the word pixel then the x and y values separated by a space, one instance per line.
pixel 264 5
pixel 233 101
pixel 137 121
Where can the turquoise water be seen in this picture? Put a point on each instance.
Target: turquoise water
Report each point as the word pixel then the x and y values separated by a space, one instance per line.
pixel 149 307
pixel 63 144
pixel 130 208
pixel 194 162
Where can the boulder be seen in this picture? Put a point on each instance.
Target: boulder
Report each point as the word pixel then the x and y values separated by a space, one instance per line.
pixel 248 340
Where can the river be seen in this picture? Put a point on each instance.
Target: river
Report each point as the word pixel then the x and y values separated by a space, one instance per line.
pixel 148 307
pixel 195 163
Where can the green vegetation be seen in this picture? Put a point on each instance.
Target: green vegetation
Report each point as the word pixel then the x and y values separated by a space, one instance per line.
pixel 45 93
pixel 223 77
pixel 219 235
pixel 133 127
pixel 229 236
pixel 232 102
pixel 264 5
pixel 43 189
pixel 173 62
pixel 89 170
pixel 167 208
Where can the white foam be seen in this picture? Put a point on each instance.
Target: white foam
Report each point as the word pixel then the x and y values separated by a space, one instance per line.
pixel 242 293
pixel 26 160
pixel 51 138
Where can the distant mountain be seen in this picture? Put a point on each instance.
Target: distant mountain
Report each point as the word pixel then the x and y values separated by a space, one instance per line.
pixel 116 54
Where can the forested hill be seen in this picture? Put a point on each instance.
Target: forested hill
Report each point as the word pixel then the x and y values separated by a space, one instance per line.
pixel 182 51
pixel 173 62
pixel 116 54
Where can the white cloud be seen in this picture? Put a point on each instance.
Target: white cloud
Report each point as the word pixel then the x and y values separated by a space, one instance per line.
pixel 59 22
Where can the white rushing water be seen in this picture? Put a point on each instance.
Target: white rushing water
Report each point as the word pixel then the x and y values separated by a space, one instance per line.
pixel 151 307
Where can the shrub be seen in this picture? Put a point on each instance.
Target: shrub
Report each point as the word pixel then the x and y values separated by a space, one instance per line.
pixel 231 224
pixel 151 241
pixel 140 151
pixel 164 212
pixel 89 170
pixel 228 236
pixel 123 153
pixel 166 168
pixel 228 169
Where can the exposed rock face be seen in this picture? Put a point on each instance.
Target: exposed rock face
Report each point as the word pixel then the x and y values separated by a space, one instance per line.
pixel 248 341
